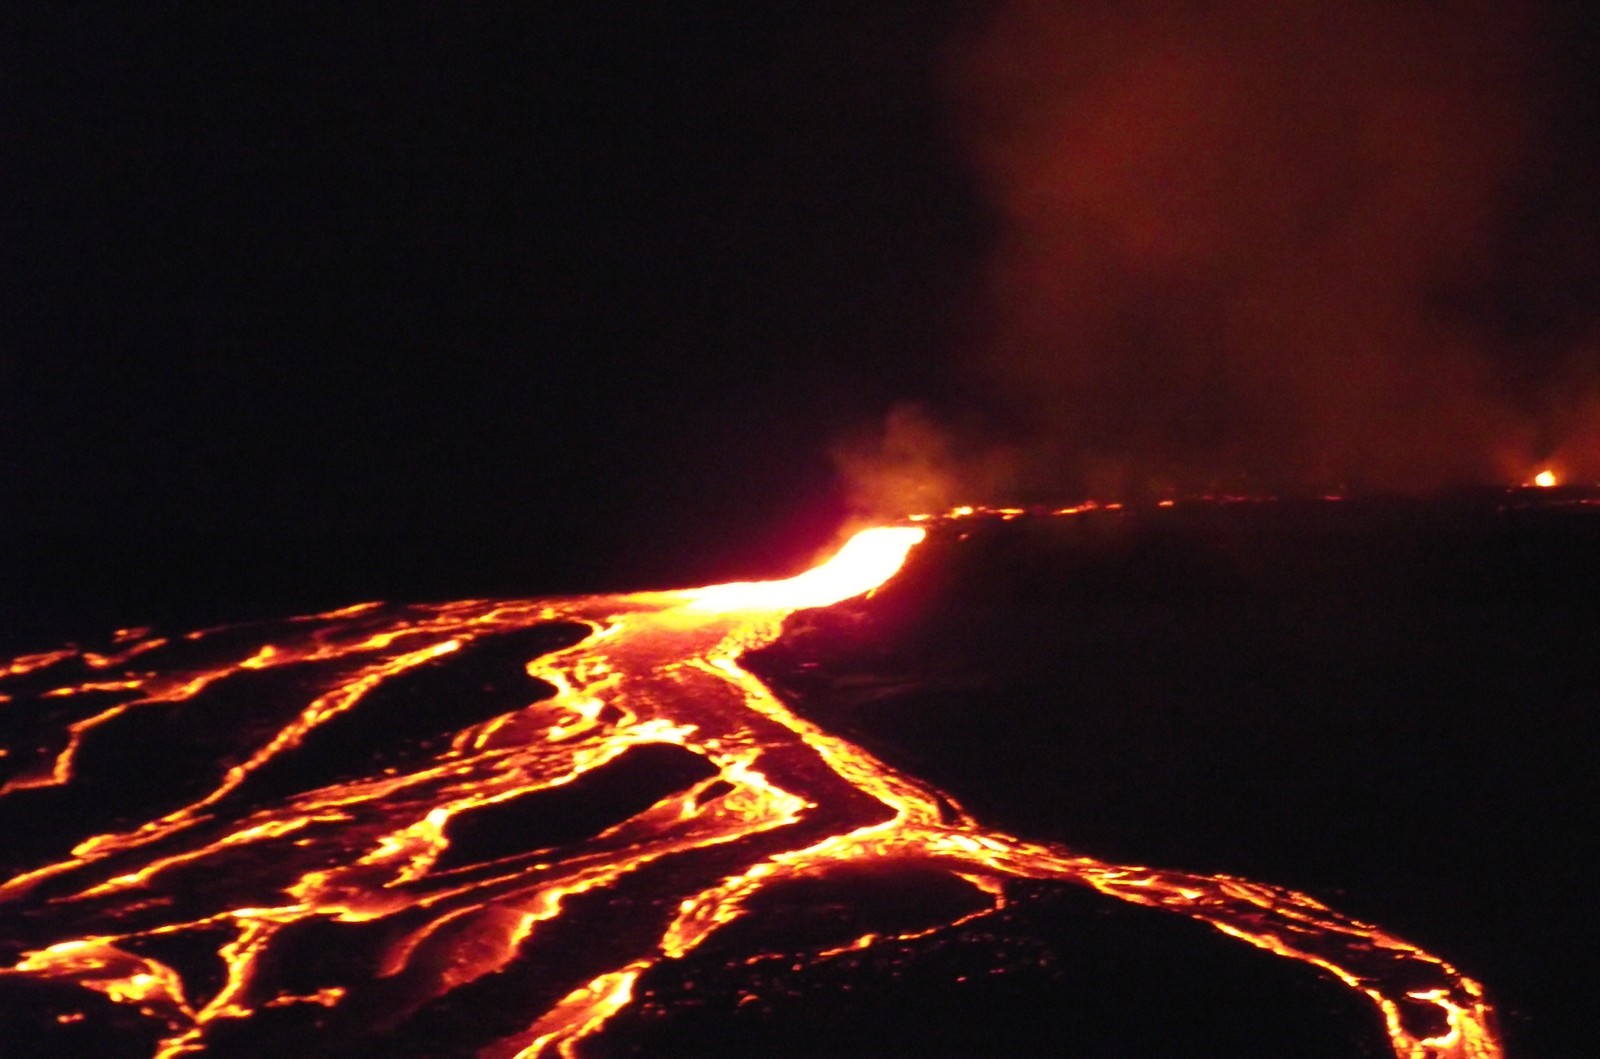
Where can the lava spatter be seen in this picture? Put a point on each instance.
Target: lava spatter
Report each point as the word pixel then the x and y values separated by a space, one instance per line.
pixel 268 896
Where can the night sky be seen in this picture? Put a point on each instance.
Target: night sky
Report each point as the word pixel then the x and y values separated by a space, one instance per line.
pixel 306 307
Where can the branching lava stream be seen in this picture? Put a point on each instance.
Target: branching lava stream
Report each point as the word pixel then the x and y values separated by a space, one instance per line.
pixel 190 899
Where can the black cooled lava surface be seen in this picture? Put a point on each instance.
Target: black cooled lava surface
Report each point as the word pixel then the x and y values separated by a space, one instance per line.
pixel 1387 704
pixel 1383 703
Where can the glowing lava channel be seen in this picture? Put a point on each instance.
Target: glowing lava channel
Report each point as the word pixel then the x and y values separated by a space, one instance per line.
pixel 866 561
pixel 248 872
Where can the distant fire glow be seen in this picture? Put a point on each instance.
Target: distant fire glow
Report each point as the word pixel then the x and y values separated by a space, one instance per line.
pixel 203 907
pixel 1545 479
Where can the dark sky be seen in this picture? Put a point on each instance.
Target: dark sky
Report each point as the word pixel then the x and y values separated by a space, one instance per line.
pixel 467 298
pixel 307 307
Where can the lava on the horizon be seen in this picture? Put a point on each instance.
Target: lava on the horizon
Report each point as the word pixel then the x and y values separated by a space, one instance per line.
pixel 269 862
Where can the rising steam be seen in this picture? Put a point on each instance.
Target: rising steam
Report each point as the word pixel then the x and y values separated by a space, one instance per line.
pixel 1262 246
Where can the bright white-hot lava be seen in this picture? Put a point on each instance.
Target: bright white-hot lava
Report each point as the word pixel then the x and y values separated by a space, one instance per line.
pixel 374 858
pixel 866 561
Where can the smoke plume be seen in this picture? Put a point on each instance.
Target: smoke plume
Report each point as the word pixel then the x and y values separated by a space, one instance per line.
pixel 913 465
pixel 1261 245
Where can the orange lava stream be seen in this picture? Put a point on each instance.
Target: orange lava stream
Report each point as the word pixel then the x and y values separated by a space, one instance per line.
pixel 243 868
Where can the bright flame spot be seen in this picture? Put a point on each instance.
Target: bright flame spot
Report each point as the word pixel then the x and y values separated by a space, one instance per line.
pixel 866 561
pixel 1545 479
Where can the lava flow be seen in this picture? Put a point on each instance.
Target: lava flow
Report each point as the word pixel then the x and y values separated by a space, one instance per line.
pixel 309 850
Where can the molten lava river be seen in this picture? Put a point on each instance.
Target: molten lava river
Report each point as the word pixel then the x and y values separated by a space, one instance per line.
pixel 308 866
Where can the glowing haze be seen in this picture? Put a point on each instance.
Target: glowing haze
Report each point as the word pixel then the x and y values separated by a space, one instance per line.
pixel 1269 246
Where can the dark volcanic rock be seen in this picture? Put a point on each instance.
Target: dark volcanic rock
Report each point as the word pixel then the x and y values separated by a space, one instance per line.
pixel 1389 704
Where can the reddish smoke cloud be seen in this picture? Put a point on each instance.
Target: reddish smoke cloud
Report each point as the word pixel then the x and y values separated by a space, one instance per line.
pixel 914 465
pixel 1234 237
